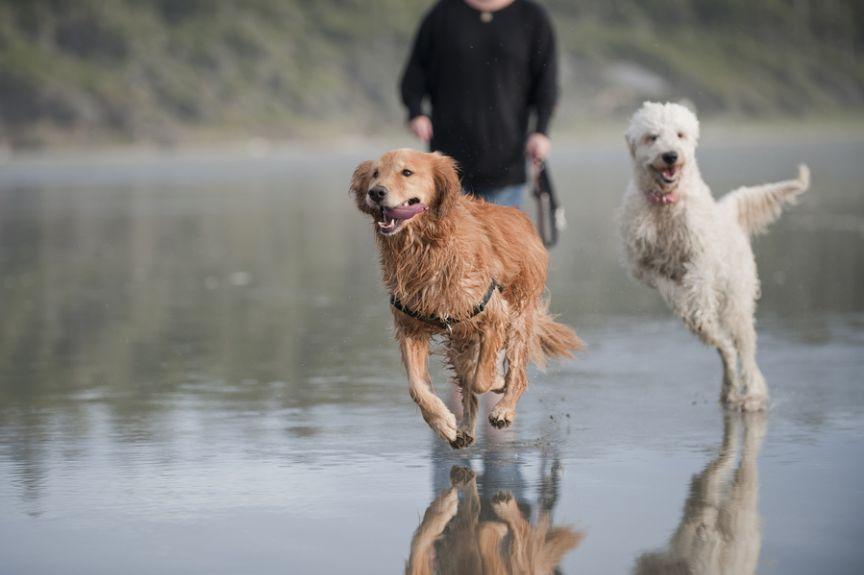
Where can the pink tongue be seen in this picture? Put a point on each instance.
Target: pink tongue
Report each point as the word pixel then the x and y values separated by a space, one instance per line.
pixel 404 212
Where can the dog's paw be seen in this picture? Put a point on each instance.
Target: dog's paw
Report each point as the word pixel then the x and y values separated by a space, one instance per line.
pixel 444 426
pixel 460 475
pixel 754 403
pixel 501 417
pixel 463 439
pixel 747 403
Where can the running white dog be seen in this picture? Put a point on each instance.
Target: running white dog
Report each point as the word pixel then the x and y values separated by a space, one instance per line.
pixel 694 250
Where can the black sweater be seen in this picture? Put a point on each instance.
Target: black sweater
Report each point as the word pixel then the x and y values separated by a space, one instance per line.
pixel 483 79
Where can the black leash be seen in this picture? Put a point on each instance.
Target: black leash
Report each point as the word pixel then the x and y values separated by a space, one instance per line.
pixel 550 214
pixel 445 322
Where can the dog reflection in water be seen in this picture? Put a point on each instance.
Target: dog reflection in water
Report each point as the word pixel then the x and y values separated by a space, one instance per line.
pixel 720 532
pixel 456 537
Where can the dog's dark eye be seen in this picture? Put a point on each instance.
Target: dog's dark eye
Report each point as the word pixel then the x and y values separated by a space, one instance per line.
pixel 651 138
pixel 375 174
pixel 407 173
pixel 681 135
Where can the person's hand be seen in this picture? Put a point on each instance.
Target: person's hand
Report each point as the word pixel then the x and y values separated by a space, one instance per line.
pixel 537 147
pixel 421 126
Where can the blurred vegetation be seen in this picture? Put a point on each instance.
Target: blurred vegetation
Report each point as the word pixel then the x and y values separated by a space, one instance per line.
pixel 174 70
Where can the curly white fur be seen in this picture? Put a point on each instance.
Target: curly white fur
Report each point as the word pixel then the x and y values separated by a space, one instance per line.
pixel 694 250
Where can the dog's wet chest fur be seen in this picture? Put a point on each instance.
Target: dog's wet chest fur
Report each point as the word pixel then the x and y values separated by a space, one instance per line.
pixel 666 248
pixel 434 282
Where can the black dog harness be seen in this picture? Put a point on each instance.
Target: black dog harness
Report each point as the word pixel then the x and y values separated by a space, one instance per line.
pixel 445 322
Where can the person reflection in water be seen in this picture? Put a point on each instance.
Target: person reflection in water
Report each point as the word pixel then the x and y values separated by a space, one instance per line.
pixel 720 532
pixel 463 532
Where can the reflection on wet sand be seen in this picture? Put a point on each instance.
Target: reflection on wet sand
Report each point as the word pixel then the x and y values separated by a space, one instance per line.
pixel 462 532
pixel 174 353
pixel 720 532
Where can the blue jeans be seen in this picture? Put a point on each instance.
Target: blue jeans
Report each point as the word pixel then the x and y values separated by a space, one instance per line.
pixel 505 196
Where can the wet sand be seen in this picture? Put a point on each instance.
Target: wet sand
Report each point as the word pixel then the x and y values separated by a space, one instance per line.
pixel 197 374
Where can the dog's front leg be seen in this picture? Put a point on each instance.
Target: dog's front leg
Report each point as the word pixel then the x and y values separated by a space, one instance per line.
pixel 415 353
pixel 707 328
pixel 754 392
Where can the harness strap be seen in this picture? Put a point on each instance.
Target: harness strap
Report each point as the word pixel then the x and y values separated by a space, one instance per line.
pixel 445 322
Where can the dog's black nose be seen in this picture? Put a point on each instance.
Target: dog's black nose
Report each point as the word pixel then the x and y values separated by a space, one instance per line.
pixel 670 157
pixel 377 193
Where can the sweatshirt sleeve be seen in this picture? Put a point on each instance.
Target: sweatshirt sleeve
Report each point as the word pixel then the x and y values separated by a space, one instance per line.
pixel 414 86
pixel 544 71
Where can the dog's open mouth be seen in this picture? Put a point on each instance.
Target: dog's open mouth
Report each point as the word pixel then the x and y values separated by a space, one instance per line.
pixel 392 219
pixel 667 175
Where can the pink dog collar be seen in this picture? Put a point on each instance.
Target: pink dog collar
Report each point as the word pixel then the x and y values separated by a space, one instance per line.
pixel 659 198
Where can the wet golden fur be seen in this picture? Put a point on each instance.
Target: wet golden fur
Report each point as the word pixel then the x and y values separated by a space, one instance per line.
pixel 441 263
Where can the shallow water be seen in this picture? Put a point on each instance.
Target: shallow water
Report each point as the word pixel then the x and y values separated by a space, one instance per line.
pixel 197 375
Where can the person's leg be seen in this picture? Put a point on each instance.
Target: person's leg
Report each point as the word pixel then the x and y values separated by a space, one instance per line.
pixel 504 196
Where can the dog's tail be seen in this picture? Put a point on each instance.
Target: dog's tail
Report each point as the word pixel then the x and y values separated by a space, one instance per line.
pixel 552 339
pixel 759 206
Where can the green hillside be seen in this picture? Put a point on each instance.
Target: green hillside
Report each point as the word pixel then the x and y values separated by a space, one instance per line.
pixel 95 71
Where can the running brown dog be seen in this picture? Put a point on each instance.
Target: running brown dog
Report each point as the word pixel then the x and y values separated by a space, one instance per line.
pixel 470 271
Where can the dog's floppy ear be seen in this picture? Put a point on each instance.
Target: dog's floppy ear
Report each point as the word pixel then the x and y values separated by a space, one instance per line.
pixel 447 184
pixel 360 183
pixel 631 145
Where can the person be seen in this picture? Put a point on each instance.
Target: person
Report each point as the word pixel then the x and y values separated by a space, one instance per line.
pixel 488 69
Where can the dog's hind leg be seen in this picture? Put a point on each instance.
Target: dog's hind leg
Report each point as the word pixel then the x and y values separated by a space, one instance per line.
pixel 415 354
pixel 487 375
pixel 519 334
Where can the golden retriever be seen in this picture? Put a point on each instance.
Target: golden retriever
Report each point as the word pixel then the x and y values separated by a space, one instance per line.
pixel 459 267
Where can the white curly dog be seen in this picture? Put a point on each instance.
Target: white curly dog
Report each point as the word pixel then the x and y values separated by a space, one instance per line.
pixel 695 250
